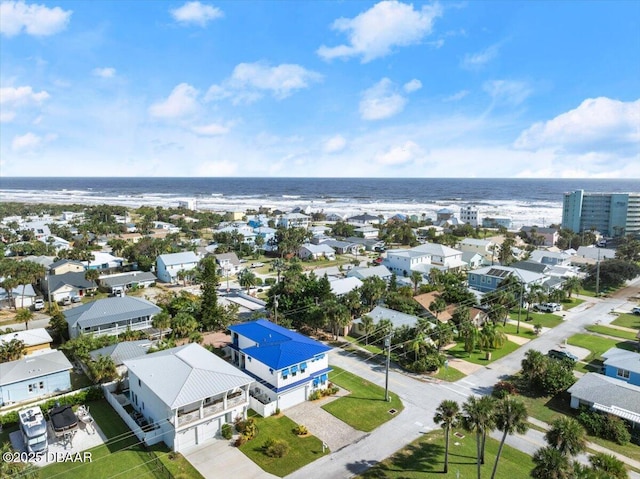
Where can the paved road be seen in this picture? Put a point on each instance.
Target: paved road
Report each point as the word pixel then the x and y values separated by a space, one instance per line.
pixel 422 398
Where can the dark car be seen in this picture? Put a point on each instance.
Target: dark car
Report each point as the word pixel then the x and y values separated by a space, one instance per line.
pixel 635 310
pixel 557 354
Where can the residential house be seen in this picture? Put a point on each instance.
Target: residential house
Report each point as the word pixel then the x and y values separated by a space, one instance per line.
pixel 342 286
pixel 294 220
pixel 364 219
pixel 125 281
pixel 473 260
pixel 370 244
pixel 595 254
pixel 111 316
pixel 186 394
pixel 469 215
pixel 104 261
pixel 343 247
pixel 34 376
pixel 121 352
pixel 485 248
pixel 168 265
pixel 623 365
pixel 56 242
pixel 551 258
pixel 67 266
pixel 287 366
pixel 163 225
pixel 247 231
pixel 229 263
pixel 334 217
pixel 489 278
pixel 35 340
pixel 366 232
pixel 380 313
pixel 607 395
pixel 23 296
pixel 380 271
pixel 40 229
pixel 403 261
pixel 316 251
pixel 44 261
pixel 66 285
pixel 268 234
pixel 541 236
pixel 443 257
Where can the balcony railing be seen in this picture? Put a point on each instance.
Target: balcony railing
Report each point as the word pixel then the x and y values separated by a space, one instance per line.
pixel 210 410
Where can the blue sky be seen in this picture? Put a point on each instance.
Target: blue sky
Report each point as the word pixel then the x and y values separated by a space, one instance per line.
pixel 320 88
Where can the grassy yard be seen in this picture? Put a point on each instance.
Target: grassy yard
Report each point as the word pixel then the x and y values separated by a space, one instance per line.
pixel 121 455
pixel 302 450
pixel 597 345
pixel 424 458
pixel 525 332
pixel 80 380
pixel 365 408
pixel 449 374
pixel 372 348
pixel 479 357
pixel 628 321
pixel 569 303
pixel 612 332
pixel 547 320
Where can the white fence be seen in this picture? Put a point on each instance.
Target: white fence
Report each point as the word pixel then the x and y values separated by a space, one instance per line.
pixel 265 410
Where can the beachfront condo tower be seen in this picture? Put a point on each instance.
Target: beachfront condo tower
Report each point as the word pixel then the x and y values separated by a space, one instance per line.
pixel 612 214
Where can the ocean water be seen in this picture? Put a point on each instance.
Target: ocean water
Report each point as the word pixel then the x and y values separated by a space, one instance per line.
pixel 525 201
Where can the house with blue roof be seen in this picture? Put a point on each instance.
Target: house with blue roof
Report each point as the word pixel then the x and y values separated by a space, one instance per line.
pixel 287 366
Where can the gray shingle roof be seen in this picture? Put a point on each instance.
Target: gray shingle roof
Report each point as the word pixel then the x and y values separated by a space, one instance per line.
pixel 186 374
pixel 110 310
pixel 32 367
pixel 124 279
pixel 597 388
pixel 75 279
pixel 124 351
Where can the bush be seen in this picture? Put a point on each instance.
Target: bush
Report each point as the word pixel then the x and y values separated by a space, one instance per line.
pixel 227 431
pixel 270 281
pixel 606 426
pixel 300 430
pixel 558 376
pixel 246 427
pixel 616 430
pixel 276 447
pixel 503 388
pixel 240 440
pixel 317 394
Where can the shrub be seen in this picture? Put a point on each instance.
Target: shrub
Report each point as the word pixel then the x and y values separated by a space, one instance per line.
pixel 276 447
pixel 276 412
pixel 246 427
pixel 616 430
pixel 300 430
pixel 503 388
pixel 270 281
pixel 317 394
pixel 537 328
pixel 240 440
pixel 605 426
pixel 227 431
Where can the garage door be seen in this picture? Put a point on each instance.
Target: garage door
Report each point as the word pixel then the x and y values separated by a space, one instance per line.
pixel 209 430
pixel 291 398
pixel 186 439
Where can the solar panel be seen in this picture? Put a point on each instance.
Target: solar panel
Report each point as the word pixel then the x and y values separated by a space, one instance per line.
pixel 499 273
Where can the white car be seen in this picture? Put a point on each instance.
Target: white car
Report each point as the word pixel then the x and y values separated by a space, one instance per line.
pixel 257 265
pixel 38 304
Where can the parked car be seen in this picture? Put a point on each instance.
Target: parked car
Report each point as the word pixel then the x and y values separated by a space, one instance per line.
pixel 544 308
pixel 76 299
pixel 558 354
pixel 66 301
pixel 257 265
pixel 636 310
pixel 38 304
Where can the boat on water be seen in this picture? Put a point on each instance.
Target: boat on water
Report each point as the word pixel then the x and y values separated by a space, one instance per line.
pixel 34 429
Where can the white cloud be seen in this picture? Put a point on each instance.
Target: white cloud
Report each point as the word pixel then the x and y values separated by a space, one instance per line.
pixel 507 91
pixel 21 95
pixel 400 155
pixel 374 33
pixel 381 101
pixel 7 116
pixel 196 13
pixel 30 141
pixel 456 96
pixel 106 72
pixel 249 81
pixel 477 60
pixel 596 124
pixel 37 20
pixel 334 144
pixel 212 129
pixel 413 85
pixel 181 102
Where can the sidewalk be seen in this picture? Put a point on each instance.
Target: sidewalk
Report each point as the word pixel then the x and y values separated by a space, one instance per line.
pixel 590 445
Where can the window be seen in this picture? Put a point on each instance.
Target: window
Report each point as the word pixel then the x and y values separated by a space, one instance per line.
pixel 41 385
pixel 139 383
pixel 623 373
pixel 33 387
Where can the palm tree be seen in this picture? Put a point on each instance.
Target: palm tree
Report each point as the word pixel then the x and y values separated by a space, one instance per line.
pixel 103 369
pixel 447 414
pixel 437 306
pixel 612 466
pixel 443 334
pixel 533 366
pixel 571 284
pixel 92 275
pixel 24 315
pixel 478 417
pixel 11 350
pixel 368 327
pixel 535 294
pixel 550 463
pixel 161 321
pixel 247 279
pixel 511 417
pixel 567 436
pixel 416 278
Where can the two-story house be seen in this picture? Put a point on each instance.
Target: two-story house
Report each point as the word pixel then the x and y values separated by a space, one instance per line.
pixel 188 393
pixel 294 220
pixel 168 265
pixel 489 278
pixel 287 366
pixel 403 261
pixel 622 364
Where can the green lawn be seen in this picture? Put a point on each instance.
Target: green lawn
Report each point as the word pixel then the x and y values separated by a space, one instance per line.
pixel 449 374
pixel 597 345
pixel 547 320
pixel 424 458
pixel 121 455
pixel 612 332
pixel 511 328
pixel 569 303
pixel 302 450
pixel 365 408
pixel 628 321
pixel 479 357
pixel 80 380
pixel 372 348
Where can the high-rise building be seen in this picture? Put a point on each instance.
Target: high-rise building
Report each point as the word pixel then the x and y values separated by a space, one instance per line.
pixel 469 214
pixel 612 214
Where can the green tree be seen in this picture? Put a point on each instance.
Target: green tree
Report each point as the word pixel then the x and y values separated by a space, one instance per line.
pixel 567 436
pixel 24 315
pixel 628 249
pixel 416 279
pixel 102 369
pixel 437 306
pixel 571 284
pixel 161 321
pixel 11 350
pixel 209 309
pixel 443 334
pixel 505 254
pixel 550 463
pixel 372 290
pixel 183 324
pixel 92 275
pixel 611 466
pixel 368 327
pixel 447 415
pixel 247 279
pixel 478 418
pixel 534 366
pixel 511 417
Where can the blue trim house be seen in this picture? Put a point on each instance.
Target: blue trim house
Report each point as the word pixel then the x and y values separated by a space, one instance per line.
pixel 34 377
pixel 623 365
pixel 489 278
pixel 287 366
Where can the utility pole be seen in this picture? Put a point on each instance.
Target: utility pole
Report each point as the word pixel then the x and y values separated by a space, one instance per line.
pixel 598 275
pixel 387 344
pixel 520 306
pixel 275 309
